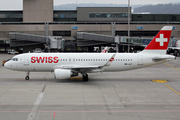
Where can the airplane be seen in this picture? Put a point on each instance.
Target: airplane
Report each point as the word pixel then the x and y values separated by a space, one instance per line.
pixel 105 50
pixel 175 50
pixel 67 65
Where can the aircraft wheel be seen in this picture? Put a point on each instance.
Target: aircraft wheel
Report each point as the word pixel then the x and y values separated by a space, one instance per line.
pixel 27 78
pixel 85 78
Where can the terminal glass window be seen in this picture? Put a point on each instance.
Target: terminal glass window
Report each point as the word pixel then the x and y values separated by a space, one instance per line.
pixel 62 15
pixel 61 33
pixel 73 15
pixel 104 15
pixel 98 15
pixel 126 15
pixel 92 15
pixel 115 15
pixel 109 15
pixel 136 33
pixel 55 15
pixel 2 16
pixel 67 15
pixel 121 15
pixel 13 16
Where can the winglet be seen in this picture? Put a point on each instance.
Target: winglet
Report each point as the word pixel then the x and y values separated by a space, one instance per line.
pixel 105 50
pixel 110 60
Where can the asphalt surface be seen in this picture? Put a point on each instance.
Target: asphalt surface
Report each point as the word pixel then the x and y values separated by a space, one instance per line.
pixel 129 95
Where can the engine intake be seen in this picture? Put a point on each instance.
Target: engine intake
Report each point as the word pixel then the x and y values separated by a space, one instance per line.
pixel 62 74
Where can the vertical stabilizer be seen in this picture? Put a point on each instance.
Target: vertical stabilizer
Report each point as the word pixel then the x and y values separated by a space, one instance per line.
pixel 160 42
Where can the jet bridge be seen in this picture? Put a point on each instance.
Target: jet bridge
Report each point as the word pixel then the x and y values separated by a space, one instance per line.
pixel 90 39
pixel 24 39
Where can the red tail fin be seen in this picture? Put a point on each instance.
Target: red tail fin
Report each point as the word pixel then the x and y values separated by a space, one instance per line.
pixel 161 40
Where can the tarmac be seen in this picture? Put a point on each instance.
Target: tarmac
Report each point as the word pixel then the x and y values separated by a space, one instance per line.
pixel 151 93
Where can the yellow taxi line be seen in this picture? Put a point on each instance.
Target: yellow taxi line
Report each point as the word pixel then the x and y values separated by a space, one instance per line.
pixel 160 81
pixel 172 89
pixel 172 66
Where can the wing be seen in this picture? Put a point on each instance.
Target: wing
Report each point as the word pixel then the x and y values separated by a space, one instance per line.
pixel 86 68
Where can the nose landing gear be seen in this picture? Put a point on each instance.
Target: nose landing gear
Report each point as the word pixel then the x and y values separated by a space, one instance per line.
pixel 27 77
pixel 85 78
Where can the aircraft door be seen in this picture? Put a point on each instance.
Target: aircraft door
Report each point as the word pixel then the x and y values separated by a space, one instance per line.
pixel 140 60
pixel 26 60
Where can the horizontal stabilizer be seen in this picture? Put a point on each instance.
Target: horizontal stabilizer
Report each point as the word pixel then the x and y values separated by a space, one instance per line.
pixel 164 57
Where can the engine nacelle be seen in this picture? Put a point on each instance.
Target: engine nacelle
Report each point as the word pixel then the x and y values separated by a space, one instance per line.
pixel 62 74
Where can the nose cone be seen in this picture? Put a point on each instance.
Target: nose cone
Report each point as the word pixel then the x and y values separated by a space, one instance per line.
pixel 7 65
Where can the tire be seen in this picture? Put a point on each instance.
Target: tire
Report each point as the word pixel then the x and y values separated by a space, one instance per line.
pixel 27 78
pixel 85 78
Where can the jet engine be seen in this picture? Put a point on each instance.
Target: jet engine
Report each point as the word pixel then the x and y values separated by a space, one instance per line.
pixel 62 74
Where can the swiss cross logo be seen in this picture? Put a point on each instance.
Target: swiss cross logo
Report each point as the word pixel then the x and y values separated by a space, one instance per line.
pixel 161 39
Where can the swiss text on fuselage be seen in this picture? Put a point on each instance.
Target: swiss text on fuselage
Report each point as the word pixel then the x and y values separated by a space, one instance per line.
pixel 44 59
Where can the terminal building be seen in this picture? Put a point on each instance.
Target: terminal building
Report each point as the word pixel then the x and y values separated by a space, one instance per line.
pixel 80 30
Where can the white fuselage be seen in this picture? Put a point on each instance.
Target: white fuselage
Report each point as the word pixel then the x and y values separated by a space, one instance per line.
pixel 36 62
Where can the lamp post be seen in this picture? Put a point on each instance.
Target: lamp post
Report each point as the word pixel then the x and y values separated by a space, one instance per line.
pixel 76 4
pixel 128 23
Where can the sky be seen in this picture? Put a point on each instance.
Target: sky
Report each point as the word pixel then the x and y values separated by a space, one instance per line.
pixel 17 4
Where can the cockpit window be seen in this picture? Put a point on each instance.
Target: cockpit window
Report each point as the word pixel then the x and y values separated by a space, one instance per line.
pixel 14 59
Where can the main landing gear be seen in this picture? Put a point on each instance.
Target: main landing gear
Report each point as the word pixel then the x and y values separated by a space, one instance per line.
pixel 85 78
pixel 27 77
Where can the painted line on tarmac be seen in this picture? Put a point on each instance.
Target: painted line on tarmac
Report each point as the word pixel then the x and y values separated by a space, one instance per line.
pixel 54 114
pixel 114 107
pixel 160 81
pixel 172 89
pixel 120 111
pixel 172 107
pixel 34 109
pixel 172 66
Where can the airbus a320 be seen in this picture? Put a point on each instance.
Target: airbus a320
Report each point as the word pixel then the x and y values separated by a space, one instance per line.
pixel 67 65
